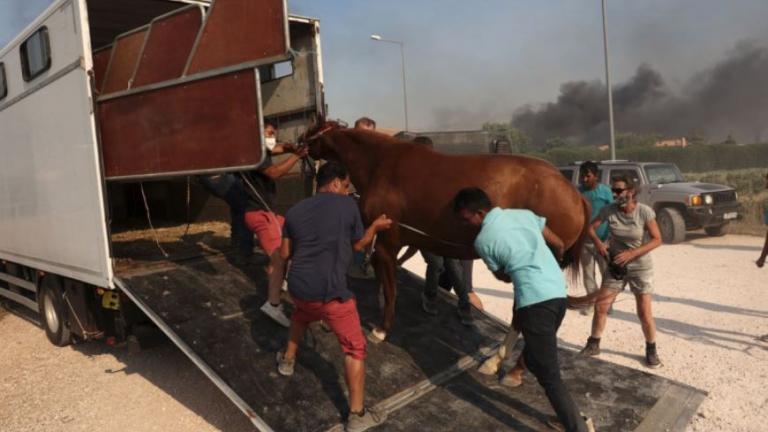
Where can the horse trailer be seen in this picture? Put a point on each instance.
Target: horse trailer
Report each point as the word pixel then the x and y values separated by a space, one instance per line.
pixel 107 109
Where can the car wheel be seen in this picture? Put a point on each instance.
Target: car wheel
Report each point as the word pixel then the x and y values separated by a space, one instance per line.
pixel 671 225
pixel 53 312
pixel 717 230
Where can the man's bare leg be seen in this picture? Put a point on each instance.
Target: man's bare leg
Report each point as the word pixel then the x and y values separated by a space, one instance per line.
pixel 295 334
pixel 275 277
pixel 355 375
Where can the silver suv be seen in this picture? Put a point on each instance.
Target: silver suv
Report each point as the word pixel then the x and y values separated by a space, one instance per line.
pixel 680 206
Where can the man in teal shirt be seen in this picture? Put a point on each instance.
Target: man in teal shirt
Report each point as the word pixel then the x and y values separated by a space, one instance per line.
pixel 513 244
pixel 598 195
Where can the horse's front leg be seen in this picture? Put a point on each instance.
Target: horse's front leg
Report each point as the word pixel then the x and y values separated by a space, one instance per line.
pixel 385 263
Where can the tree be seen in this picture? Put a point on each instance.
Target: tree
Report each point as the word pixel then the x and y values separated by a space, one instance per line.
pixel 518 140
pixel 729 140
pixel 553 143
pixel 625 140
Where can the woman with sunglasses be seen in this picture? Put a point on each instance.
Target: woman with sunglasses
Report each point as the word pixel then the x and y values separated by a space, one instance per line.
pixel 633 233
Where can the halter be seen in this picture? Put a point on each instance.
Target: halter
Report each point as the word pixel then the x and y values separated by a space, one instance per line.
pixel 326 128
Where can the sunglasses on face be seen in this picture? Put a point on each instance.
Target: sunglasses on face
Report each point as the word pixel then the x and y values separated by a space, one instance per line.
pixel 617 191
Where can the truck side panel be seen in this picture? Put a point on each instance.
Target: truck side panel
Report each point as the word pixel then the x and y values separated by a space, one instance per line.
pixel 51 203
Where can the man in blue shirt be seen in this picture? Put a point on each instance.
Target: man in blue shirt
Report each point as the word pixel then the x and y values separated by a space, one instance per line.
pixel 598 195
pixel 513 244
pixel 319 237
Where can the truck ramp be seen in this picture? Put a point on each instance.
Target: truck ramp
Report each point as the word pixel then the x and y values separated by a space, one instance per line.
pixel 424 376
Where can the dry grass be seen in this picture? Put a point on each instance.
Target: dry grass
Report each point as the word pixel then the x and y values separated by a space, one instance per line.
pixel 179 242
pixel 174 233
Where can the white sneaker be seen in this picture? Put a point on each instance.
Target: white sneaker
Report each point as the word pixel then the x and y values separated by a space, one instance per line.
pixel 285 367
pixel 276 313
pixel 359 423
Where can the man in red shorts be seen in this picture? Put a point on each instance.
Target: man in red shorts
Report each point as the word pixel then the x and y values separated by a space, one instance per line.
pixel 260 218
pixel 320 235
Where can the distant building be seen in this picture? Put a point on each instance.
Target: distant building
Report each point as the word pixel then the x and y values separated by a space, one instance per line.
pixel 672 142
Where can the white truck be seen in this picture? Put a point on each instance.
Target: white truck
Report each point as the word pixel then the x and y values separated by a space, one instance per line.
pixel 107 108
pixel 103 99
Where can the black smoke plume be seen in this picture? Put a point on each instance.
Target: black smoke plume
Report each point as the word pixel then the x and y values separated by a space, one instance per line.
pixel 731 98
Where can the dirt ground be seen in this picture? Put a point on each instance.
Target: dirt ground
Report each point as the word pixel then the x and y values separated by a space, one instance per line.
pixel 711 308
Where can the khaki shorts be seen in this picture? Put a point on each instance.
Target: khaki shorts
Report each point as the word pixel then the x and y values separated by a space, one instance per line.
pixel 639 281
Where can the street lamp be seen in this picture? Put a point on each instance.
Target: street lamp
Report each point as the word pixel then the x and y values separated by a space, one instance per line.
pixel 608 84
pixel 402 63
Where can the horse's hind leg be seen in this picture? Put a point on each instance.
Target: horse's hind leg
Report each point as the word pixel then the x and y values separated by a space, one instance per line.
pixel 384 261
pixel 491 365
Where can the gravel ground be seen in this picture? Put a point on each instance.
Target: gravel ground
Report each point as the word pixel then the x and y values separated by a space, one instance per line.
pixel 711 308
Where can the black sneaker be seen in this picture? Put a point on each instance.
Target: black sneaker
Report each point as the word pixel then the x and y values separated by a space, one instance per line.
pixel 591 349
pixel 465 315
pixel 652 358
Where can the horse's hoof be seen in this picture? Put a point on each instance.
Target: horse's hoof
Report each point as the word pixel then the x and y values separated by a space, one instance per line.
pixel 377 336
pixel 490 366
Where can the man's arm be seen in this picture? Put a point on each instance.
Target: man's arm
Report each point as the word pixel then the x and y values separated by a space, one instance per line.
pixel 502 276
pixel 285 249
pixel 281 148
pixel 761 261
pixel 601 247
pixel 380 224
pixel 276 171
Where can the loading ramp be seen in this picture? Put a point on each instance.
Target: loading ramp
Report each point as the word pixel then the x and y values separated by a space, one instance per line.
pixel 424 376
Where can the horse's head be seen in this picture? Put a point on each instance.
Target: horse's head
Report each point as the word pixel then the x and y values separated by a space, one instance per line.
pixel 314 134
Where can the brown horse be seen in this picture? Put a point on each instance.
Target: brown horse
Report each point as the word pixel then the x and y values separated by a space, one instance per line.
pixel 415 186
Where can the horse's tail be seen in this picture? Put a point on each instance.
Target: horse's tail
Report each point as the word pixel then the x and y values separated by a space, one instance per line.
pixel 581 301
pixel 573 254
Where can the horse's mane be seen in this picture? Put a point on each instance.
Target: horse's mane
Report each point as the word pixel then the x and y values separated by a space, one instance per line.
pixel 384 140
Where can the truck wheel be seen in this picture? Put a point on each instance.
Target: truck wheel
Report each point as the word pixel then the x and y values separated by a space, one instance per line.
pixel 53 312
pixel 671 225
pixel 717 230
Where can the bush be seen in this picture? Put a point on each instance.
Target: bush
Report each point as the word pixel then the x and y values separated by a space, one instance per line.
pixel 693 159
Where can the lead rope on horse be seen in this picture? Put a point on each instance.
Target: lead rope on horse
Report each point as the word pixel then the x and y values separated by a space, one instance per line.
pixel 256 193
pixel 372 249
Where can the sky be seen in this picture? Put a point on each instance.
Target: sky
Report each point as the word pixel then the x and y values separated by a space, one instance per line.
pixel 469 62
